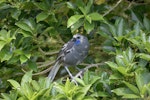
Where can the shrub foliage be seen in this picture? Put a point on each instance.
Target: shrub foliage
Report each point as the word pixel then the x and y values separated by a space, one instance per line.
pixel 33 31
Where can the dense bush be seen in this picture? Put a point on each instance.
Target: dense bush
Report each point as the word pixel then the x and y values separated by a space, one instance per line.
pixel 32 32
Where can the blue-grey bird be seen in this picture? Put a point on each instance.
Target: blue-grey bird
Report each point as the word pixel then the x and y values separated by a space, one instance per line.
pixel 71 54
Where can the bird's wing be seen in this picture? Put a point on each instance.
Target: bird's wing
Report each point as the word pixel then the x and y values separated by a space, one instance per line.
pixel 65 49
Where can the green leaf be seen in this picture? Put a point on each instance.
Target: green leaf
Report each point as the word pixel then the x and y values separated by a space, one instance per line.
pixel 80 81
pixel 41 16
pixel 88 19
pixel 131 96
pixel 73 19
pixel 146 23
pixel 144 90
pixel 42 5
pixel 5 54
pixel 120 28
pixel 122 91
pixel 15 13
pixel 86 77
pixel 35 85
pixel 131 87
pixel 11 96
pixel 83 10
pixel 71 5
pixel 130 55
pixel 88 7
pixel 14 83
pixel 137 29
pixel 96 16
pixel 123 71
pixel 82 92
pixel 76 25
pixel 23 59
pixel 39 94
pixel 5 96
pixel 5 38
pixel 32 65
pixel 2 44
pixel 67 85
pixel 28 55
pixel 113 30
pixel 26 78
pixel 142 78
pixel 88 27
pixel 116 76
pixel 27 90
pixel 112 64
pixel 119 60
pixel 25 33
pixel 24 26
pixel 144 56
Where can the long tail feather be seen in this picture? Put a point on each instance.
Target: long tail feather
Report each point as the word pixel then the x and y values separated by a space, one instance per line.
pixel 54 71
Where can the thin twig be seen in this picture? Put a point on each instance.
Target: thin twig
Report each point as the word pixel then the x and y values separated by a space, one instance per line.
pixel 48 53
pixel 43 72
pixel 88 67
pixel 46 64
pixel 113 7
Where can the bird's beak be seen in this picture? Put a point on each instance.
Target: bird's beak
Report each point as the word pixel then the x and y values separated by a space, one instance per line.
pixel 73 39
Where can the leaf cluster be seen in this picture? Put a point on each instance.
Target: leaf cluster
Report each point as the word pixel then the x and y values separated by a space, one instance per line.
pixel 32 32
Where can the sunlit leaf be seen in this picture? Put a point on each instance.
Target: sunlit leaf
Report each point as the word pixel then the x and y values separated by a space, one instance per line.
pixel 24 26
pixel 23 59
pixel 132 87
pixel 73 19
pixel 144 56
pixel 14 83
pixel 96 16
pixel 26 78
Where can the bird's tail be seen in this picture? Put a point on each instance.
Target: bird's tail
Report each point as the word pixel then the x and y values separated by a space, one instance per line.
pixel 54 71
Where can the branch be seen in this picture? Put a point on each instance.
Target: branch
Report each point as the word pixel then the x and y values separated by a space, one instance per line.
pixel 46 64
pixel 43 72
pixel 88 67
pixel 113 7
pixel 48 53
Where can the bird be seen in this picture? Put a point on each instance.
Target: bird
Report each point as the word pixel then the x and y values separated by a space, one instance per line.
pixel 71 54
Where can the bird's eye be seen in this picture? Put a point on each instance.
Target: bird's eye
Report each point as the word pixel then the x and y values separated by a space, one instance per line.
pixel 78 37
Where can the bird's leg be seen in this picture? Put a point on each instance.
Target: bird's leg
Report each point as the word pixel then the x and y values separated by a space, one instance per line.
pixel 71 75
pixel 79 71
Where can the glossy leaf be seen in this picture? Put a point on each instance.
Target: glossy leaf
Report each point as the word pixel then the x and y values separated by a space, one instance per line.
pixel 15 13
pixel 120 27
pixel 23 59
pixel 142 78
pixel 76 25
pixel 14 83
pixel 24 26
pixel 146 22
pixel 112 64
pixel 144 56
pixel 73 19
pixel 41 16
pixel 96 16
pixel 26 78
pixel 132 87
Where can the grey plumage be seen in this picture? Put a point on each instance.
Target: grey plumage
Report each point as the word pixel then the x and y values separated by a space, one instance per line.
pixel 71 54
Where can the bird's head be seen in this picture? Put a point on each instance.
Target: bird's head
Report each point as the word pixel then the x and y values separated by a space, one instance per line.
pixel 78 38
